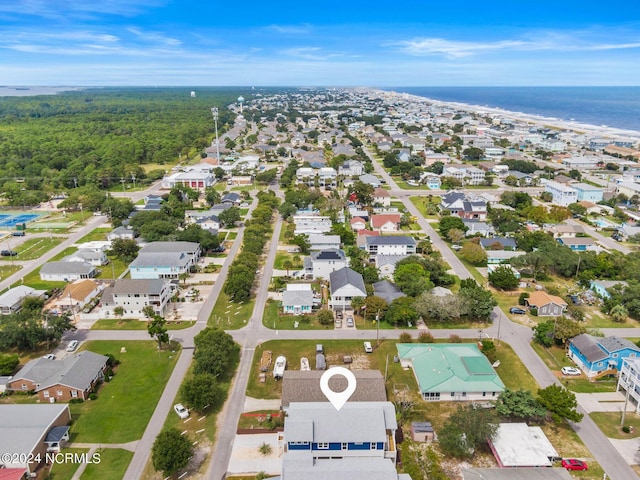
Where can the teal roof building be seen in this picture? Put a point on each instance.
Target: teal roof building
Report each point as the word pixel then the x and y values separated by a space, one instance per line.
pixel 451 371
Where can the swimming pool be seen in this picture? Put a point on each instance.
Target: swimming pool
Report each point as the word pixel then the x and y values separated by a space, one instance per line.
pixel 602 223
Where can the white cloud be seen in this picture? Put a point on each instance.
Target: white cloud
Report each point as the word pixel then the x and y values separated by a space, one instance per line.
pixel 289 29
pixel 450 48
pixel 65 8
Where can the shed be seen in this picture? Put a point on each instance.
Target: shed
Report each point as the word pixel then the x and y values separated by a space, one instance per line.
pixel 422 432
pixel 321 364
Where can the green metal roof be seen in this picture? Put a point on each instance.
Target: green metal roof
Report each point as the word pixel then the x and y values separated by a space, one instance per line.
pixel 450 367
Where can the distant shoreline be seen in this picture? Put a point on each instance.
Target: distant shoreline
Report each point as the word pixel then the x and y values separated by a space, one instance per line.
pixel 596 130
pixel 32 91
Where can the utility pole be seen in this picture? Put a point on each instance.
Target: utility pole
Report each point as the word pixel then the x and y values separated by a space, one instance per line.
pixel 133 177
pixel 626 401
pixel 214 112
pixel 123 182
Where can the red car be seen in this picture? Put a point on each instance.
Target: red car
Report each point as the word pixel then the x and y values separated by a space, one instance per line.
pixel 574 464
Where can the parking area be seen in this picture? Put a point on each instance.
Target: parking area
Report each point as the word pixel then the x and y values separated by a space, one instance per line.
pixel 246 457
pixel 603 402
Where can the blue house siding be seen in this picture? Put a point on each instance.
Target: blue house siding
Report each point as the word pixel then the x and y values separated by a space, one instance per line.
pixel 294 446
pixel 359 446
pixel 297 309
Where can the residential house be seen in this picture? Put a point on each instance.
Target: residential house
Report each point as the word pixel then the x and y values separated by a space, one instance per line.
pixel 517 445
pixel 351 168
pixel 321 263
pixel 133 295
pixel 121 233
pixel 498 243
pixel 386 264
pixel 387 291
pixel 581 163
pixel 231 198
pixel 67 271
pixel 356 442
pixel 211 223
pixel 327 177
pixel 304 386
pixel 628 188
pixel 74 376
pixel 626 231
pixel 547 305
pixel 451 371
pixel 563 195
pixel 578 244
pixel 241 180
pixel 345 284
pixel 306 175
pixel 475 227
pixel 297 301
pixel 11 300
pixel 598 356
pixel 602 287
pixel 24 431
pixel 323 242
pixel 97 258
pixel 388 245
pixel 386 222
pixel 564 230
pixel 74 297
pixel 431 157
pixel 470 208
pixel 358 223
pixel 431 180
pixel 588 192
pixel 629 380
pixel 523 178
pixel 502 256
pixel 370 180
pixel 381 197
pixel 165 260
pixel 309 224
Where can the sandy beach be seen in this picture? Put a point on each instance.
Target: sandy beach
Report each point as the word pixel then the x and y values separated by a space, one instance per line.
pixel 538 120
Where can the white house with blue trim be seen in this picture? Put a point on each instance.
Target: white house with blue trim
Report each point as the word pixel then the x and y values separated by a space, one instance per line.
pixel 601 287
pixel 600 356
pixel 356 442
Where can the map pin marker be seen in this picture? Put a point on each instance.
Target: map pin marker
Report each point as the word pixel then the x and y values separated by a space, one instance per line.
pixel 338 399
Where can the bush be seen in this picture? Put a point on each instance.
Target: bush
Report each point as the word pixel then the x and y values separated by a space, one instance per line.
pixel 626 429
pixel 425 337
pixel 523 296
pixel 93 396
pixel 455 338
pixel 533 311
pixel 265 449
pixel 405 337
pixel 76 400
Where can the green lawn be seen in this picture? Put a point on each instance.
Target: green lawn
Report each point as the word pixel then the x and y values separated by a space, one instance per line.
pixel 405 186
pixel 512 371
pixel 134 324
pixel 126 403
pixel 229 315
pixel 33 280
pixel 609 423
pixel 271 318
pixel 115 267
pixel 7 270
pixel 65 470
pixel 293 350
pixel 34 248
pixel 64 253
pixel 282 257
pixel 420 203
pixel 113 465
pixel 99 234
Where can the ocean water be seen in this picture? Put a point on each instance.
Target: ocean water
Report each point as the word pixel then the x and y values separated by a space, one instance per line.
pixel 617 107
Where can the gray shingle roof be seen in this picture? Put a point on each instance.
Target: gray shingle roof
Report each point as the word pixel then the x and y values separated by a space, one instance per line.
pixel 299 386
pixel 505 242
pixel 346 276
pixel 171 247
pixel 588 346
pixel 62 268
pixel 297 298
pixel 391 240
pixel 127 285
pixel 298 467
pixel 149 259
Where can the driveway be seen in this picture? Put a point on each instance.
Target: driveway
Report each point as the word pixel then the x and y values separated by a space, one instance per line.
pixel 603 402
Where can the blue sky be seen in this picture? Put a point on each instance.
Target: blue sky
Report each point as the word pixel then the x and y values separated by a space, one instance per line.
pixel 350 43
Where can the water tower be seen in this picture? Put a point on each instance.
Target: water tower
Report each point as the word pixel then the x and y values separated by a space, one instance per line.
pixel 241 102
pixel 193 94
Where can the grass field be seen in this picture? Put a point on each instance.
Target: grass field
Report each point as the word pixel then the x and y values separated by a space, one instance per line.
pixel 7 270
pixel 34 248
pixel 33 280
pixel 97 235
pixel 134 324
pixel 126 403
pixel 228 315
pixel 113 465
pixel 512 371
pixel 271 318
pixel 65 470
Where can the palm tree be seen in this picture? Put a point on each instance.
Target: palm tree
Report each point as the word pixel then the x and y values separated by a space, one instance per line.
pixel 287 265
pixel 619 313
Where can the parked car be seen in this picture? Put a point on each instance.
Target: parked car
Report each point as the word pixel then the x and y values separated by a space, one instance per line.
pixel 350 322
pixel 338 323
pixel 181 410
pixel 456 247
pixel 49 356
pixel 571 371
pixel 218 249
pixel 8 253
pixel 18 233
pixel 73 344
pixel 367 347
pixel 517 310
pixel 574 464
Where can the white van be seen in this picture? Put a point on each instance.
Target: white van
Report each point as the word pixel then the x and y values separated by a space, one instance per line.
pixel 367 347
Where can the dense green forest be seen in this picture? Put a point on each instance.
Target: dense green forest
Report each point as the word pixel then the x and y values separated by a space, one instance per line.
pixel 93 138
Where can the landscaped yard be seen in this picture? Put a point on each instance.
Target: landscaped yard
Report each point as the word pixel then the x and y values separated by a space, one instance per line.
pixel 126 403
pixel 33 280
pixel 271 318
pixel 283 258
pixel 609 423
pixel 229 315
pixel 7 270
pixel 99 235
pixel 65 470
pixel 134 324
